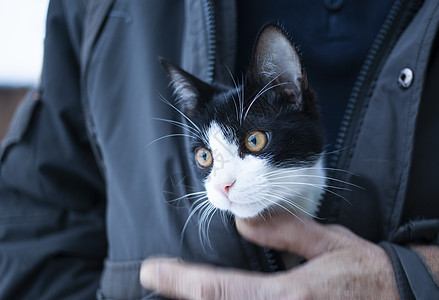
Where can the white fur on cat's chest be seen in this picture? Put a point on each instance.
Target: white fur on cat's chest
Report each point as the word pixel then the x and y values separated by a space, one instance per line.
pixel 254 185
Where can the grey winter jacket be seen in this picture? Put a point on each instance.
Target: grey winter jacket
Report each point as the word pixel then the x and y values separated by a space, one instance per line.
pixel 85 196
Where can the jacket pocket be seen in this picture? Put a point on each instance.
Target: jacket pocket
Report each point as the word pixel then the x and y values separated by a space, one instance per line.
pixel 21 122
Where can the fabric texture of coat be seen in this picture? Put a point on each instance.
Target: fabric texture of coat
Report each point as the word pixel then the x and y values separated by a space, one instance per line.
pixel 85 196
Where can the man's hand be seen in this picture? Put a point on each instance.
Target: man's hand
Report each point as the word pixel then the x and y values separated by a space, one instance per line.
pixel 340 265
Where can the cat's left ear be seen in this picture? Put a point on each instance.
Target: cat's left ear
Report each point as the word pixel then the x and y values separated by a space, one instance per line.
pixel 190 90
pixel 277 62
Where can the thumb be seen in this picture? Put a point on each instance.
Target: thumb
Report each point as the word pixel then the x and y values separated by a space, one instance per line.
pixel 303 236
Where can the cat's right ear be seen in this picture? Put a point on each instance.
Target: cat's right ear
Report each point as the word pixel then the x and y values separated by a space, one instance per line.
pixel 190 90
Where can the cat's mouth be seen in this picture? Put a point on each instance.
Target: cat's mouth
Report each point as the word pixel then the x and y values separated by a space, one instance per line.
pixel 235 198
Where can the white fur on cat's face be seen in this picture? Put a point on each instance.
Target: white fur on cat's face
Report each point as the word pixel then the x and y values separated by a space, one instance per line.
pixel 254 185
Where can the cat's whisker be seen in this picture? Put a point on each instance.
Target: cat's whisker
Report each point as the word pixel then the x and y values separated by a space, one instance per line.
pixel 316 185
pixel 327 190
pixel 258 96
pixel 184 126
pixel 197 202
pixel 338 195
pixel 335 151
pixel 297 195
pixel 339 170
pixel 204 201
pixel 282 206
pixel 201 222
pixel 290 189
pixel 212 212
pixel 285 176
pixel 191 214
pixel 204 224
pixel 263 90
pixel 237 90
pixel 292 204
pixel 316 168
pixel 331 169
pixel 190 195
pixel 171 135
pixel 236 107
pixel 289 170
pixel 180 112
pixel 261 215
pixel 200 198
pixel 224 216
pixel 270 82
pixel 242 100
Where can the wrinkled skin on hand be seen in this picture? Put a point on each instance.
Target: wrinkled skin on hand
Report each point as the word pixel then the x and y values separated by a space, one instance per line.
pixel 340 265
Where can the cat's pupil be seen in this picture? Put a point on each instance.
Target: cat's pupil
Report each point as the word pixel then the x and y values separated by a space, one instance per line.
pixel 253 140
pixel 204 155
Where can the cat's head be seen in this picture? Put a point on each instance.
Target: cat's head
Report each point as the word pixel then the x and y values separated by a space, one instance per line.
pixel 257 145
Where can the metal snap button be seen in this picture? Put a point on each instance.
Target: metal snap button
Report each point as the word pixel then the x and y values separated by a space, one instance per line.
pixel 405 78
pixel 334 4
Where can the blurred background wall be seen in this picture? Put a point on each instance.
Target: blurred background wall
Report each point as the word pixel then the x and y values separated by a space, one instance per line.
pixel 22 25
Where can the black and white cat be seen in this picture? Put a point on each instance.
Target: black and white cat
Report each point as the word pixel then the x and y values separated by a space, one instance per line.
pixel 257 146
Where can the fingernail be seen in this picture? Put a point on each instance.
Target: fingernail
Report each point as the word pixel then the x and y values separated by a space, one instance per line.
pixel 148 274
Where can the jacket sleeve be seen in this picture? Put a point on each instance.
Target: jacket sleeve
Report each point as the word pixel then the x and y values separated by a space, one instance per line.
pixel 52 200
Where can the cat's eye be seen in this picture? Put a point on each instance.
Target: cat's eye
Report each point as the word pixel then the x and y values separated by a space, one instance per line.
pixel 203 157
pixel 256 140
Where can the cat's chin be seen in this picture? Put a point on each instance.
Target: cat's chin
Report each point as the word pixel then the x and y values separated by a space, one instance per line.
pixel 241 210
pixel 244 212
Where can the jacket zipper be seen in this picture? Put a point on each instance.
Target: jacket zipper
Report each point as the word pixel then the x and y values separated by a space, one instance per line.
pixel 272 260
pixel 381 46
pixel 209 14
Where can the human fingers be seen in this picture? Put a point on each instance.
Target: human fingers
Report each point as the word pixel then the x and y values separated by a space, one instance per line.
pixel 303 236
pixel 176 279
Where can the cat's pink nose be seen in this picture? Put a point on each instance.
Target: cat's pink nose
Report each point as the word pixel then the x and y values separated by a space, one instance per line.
pixel 225 187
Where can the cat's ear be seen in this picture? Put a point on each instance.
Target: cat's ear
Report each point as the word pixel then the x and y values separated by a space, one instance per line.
pixel 190 90
pixel 277 63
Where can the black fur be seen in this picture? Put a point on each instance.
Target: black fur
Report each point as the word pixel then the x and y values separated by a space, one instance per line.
pixel 290 115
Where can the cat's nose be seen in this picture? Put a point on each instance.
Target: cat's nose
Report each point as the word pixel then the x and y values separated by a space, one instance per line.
pixel 225 187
